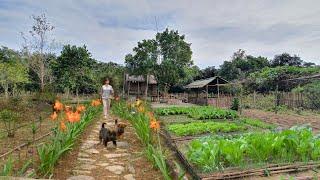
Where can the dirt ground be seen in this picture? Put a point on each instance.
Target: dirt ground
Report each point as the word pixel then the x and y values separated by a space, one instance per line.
pixel 28 111
pixel 285 119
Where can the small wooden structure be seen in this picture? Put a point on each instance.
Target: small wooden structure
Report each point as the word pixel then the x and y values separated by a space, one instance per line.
pixel 136 85
pixel 206 91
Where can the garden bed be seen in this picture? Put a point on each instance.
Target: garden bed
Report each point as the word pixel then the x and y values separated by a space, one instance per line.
pixel 236 153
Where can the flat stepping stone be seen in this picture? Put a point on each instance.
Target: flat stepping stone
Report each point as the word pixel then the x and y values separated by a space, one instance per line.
pixel 129 177
pixel 131 169
pixel 91 142
pixel 80 172
pixel 110 156
pixel 122 144
pixel 92 151
pixel 83 155
pixel 116 169
pixel 81 177
pixel 87 167
pixel 103 164
pixel 86 160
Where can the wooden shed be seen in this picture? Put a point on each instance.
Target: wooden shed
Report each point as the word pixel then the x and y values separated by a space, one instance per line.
pixel 206 91
pixel 136 85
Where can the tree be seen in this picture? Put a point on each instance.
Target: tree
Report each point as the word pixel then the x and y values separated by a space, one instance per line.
pixel 36 45
pixel 286 59
pixel 241 65
pixel 73 69
pixel 176 56
pixel 144 61
pixel 208 72
pixel 113 71
pixel 13 71
pixel 11 74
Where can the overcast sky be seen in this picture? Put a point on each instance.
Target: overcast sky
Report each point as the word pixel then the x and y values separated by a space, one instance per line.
pixel 216 28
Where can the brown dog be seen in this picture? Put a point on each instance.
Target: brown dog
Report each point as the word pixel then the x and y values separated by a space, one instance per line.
pixel 111 134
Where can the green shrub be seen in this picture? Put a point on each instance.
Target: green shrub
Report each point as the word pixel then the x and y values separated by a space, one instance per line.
pixel 235 104
pixel 9 119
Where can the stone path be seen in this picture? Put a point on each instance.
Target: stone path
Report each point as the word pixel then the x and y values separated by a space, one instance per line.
pixel 94 161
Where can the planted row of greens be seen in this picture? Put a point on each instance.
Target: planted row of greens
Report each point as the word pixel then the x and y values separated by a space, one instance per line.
pixel 292 145
pixel 199 112
pixel 202 127
pixel 195 128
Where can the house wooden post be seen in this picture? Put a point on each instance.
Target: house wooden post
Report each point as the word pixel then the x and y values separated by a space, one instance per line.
pixel 197 96
pixel 218 100
pixel 254 99
pixel 207 95
pixel 124 84
pixel 138 88
pixel 128 89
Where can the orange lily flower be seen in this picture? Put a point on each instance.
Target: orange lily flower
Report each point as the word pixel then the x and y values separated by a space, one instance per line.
pixel 95 102
pixel 81 108
pixel 54 116
pixel 73 116
pixel 155 125
pixel 58 106
pixel 63 126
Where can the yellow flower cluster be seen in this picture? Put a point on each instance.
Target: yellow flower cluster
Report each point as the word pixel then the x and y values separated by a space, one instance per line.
pixel 140 107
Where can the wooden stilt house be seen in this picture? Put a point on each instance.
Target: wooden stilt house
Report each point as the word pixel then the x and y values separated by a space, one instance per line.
pixel 207 92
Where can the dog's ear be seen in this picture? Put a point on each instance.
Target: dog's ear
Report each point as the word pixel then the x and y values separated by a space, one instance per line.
pixel 122 125
pixel 116 121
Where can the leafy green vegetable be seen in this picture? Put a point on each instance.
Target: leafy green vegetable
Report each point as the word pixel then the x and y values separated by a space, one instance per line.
pixel 199 112
pixel 292 145
pixel 195 128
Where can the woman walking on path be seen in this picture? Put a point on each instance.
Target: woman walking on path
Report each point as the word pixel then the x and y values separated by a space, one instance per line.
pixel 106 94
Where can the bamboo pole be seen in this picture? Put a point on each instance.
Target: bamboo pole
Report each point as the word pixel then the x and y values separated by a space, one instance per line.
pixel 23 145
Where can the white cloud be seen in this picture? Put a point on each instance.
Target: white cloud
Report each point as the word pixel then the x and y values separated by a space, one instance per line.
pixel 216 29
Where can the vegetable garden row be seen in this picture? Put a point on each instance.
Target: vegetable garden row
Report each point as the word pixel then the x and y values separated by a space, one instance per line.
pixel 218 144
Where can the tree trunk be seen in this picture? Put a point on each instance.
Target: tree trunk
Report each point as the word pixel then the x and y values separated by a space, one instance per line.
pixel 77 94
pixel 42 74
pixel 6 90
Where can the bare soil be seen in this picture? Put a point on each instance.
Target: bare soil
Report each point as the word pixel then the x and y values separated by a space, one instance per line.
pixel 285 119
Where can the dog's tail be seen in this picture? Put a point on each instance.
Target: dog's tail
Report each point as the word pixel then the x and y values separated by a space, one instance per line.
pixel 102 126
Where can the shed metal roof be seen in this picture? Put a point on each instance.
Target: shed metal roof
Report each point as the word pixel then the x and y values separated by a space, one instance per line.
pixel 203 82
pixel 140 78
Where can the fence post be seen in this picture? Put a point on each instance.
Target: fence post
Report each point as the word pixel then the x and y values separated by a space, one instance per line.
pixel 254 99
pixel 277 99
